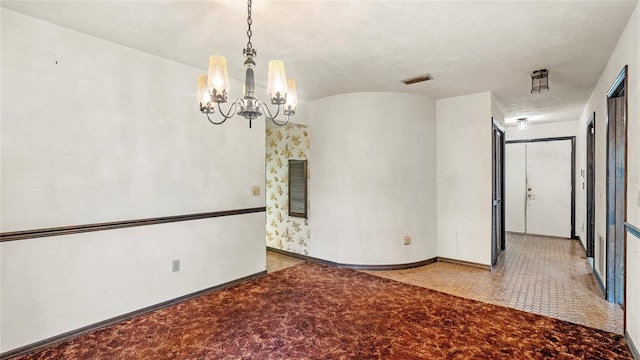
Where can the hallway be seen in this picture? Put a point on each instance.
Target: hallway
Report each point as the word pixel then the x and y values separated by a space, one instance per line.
pixel 542 275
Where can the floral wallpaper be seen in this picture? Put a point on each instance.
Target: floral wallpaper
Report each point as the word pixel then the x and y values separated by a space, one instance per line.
pixel 283 232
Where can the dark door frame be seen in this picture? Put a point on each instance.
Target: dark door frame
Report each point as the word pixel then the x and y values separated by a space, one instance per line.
pixel 573 172
pixel 498 227
pixel 590 191
pixel 616 192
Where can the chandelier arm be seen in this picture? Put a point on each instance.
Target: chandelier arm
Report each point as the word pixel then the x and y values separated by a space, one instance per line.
pixel 268 111
pixel 273 117
pixel 231 113
pixel 216 123
pixel 281 124
pixel 228 115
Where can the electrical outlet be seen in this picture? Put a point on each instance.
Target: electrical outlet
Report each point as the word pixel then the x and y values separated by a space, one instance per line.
pixel 255 191
pixel 175 265
pixel 407 240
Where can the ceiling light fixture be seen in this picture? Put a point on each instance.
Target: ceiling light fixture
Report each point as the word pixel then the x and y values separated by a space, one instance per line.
pixel 540 81
pixel 522 123
pixel 213 88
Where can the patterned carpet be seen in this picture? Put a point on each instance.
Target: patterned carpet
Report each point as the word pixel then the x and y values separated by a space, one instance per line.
pixel 312 311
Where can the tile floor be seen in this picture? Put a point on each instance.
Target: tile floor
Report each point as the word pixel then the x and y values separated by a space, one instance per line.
pixel 277 261
pixel 542 275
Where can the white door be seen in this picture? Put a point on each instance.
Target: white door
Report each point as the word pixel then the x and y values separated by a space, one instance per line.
pixel 538 187
pixel 515 167
pixel 549 188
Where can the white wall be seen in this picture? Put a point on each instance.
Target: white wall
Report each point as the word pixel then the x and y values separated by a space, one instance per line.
pixel 627 52
pixel 373 178
pixel 515 165
pixel 497 112
pixel 110 133
pixel 464 134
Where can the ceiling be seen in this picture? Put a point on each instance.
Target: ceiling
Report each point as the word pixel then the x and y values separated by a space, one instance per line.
pixel 335 47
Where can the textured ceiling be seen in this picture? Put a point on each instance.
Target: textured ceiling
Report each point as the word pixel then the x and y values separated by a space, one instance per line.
pixel 334 47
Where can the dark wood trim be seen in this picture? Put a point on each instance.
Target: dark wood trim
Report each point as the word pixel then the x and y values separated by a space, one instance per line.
pixel 380 267
pixel 633 230
pixel 498 125
pixel 622 77
pixel 600 282
pixel 39 345
pixel 353 266
pixel 616 213
pixel 66 230
pixel 498 224
pixel 540 139
pixel 464 263
pixel 573 172
pixel 590 200
pixel 632 346
pixel 573 188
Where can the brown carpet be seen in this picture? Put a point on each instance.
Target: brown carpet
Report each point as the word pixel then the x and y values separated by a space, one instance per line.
pixel 313 311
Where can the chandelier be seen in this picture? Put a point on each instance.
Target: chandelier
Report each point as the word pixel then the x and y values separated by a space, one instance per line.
pixel 213 88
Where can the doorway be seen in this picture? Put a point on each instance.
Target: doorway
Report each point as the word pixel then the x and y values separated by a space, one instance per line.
pixel 498 229
pixel 616 188
pixel 540 186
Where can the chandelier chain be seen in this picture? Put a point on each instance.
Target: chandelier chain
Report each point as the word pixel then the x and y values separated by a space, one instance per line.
pixel 249 22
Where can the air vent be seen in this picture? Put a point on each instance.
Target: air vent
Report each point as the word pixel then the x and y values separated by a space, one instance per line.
pixel 417 79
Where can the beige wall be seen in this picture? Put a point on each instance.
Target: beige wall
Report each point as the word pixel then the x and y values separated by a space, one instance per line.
pixel 464 135
pixel 373 178
pixel 626 52
pixel 106 134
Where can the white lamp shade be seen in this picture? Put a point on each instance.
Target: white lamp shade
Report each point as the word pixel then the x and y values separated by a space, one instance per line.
pixel 277 83
pixel 218 79
pixel 292 95
pixel 203 91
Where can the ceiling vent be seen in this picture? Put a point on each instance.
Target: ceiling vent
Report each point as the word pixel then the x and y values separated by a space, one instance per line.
pixel 417 79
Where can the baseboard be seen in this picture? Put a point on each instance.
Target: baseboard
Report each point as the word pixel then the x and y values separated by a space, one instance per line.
pixel 599 280
pixel 464 263
pixel 573 237
pixel 354 266
pixel 39 345
pixel 633 230
pixel 632 346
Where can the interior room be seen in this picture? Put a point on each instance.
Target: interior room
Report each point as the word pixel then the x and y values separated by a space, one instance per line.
pixel 421 151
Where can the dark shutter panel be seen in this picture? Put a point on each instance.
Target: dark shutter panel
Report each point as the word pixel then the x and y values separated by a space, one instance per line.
pixel 298 188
